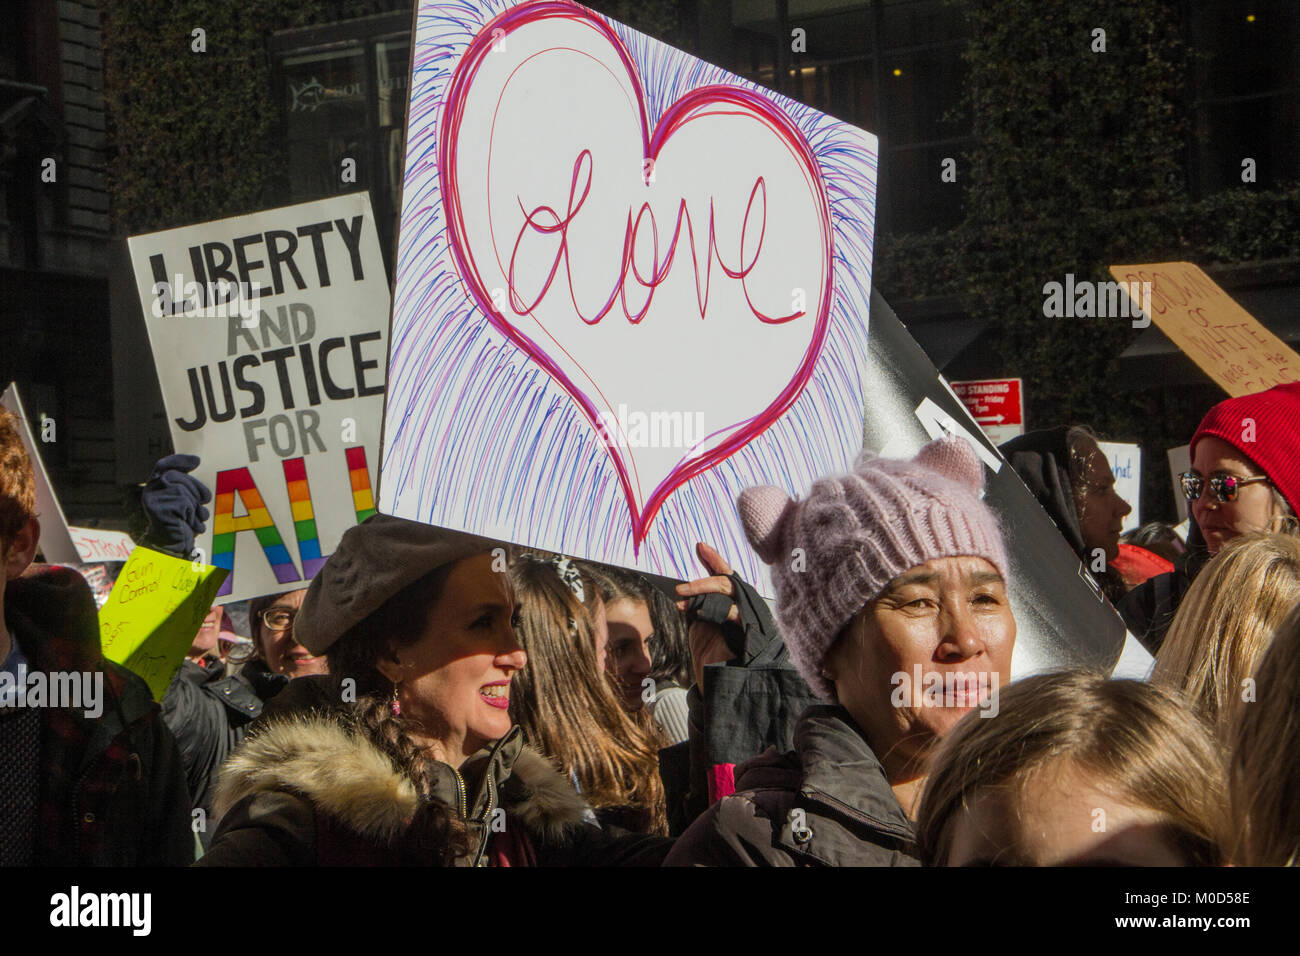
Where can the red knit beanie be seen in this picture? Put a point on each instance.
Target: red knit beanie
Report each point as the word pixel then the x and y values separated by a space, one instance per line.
pixel 1265 427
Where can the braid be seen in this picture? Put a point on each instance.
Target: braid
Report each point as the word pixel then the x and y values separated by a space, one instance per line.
pixel 437 829
pixel 436 825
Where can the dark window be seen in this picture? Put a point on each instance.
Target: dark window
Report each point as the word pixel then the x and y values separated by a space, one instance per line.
pixel 1246 92
pixel 342 92
pixel 892 67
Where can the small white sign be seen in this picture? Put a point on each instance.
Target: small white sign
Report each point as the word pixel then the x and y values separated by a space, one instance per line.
pixel 97 544
pixel 1126 463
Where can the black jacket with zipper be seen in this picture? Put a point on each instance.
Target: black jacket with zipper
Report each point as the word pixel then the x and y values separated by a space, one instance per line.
pixel 1148 610
pixel 825 803
pixel 209 713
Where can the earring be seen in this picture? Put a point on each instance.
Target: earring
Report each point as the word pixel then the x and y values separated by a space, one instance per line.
pixel 395 705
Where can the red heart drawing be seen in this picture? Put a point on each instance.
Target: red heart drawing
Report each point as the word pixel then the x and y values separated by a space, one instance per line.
pixel 554 105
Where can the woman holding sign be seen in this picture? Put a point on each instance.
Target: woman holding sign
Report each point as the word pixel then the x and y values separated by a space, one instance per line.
pixel 424 765
pixel 891 596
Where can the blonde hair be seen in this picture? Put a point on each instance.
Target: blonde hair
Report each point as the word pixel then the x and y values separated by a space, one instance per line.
pixel 1284 519
pixel 1225 622
pixel 1263 774
pixel 1136 740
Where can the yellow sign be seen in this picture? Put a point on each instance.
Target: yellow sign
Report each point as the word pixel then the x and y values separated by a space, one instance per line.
pixel 1226 341
pixel 153 613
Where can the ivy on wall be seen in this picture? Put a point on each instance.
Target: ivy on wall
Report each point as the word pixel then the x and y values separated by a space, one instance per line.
pixel 1077 163
pixel 194 134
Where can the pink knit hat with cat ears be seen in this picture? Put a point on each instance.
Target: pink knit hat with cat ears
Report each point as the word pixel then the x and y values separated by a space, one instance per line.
pixel 838 548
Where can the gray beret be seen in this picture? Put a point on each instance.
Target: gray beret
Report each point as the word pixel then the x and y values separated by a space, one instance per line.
pixel 374 561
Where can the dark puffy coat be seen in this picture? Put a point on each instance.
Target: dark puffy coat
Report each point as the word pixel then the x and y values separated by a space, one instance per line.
pixel 112 788
pixel 305 791
pixel 303 695
pixel 1149 608
pixel 209 713
pixel 826 803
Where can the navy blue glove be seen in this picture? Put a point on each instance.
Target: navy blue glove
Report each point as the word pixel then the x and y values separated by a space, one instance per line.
pixel 173 502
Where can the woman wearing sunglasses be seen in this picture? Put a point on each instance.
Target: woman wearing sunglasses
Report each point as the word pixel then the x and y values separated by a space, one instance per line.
pixel 1245 476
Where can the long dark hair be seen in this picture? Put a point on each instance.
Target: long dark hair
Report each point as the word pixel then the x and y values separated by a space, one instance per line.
pixel 670 647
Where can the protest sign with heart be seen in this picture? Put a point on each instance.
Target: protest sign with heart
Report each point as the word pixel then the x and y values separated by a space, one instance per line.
pixel 627 283
pixel 582 241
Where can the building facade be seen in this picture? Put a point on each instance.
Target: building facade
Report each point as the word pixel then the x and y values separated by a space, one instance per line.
pixel 54 229
pixel 332 84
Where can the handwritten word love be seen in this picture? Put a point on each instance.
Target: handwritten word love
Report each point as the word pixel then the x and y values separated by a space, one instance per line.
pixel 544 220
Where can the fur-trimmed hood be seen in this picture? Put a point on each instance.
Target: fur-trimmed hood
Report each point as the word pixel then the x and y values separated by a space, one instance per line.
pixel 348 778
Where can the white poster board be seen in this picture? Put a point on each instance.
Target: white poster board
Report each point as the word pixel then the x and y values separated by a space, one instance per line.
pixel 629 284
pixel 1126 464
pixel 279 393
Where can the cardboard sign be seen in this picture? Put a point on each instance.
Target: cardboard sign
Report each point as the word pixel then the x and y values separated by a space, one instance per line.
pixel 629 284
pixel 56 542
pixel 156 606
pixel 1126 464
pixel 996 405
pixel 1225 340
pixel 277 387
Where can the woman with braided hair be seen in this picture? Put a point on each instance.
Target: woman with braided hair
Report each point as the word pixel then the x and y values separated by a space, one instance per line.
pixel 422 763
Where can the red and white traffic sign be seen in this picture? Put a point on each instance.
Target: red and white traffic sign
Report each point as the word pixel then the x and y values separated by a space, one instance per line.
pixel 996 405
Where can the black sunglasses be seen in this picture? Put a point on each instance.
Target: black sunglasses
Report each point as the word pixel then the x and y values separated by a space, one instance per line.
pixel 1224 487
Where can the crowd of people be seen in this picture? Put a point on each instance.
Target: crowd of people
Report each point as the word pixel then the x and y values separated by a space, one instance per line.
pixel 437 698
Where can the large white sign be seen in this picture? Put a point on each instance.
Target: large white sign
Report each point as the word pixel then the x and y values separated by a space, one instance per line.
pixel 269 332
pixel 629 285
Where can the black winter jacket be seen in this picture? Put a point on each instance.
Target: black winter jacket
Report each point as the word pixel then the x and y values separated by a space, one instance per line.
pixel 112 788
pixel 826 803
pixel 1149 608
pixel 209 713
pixel 305 791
